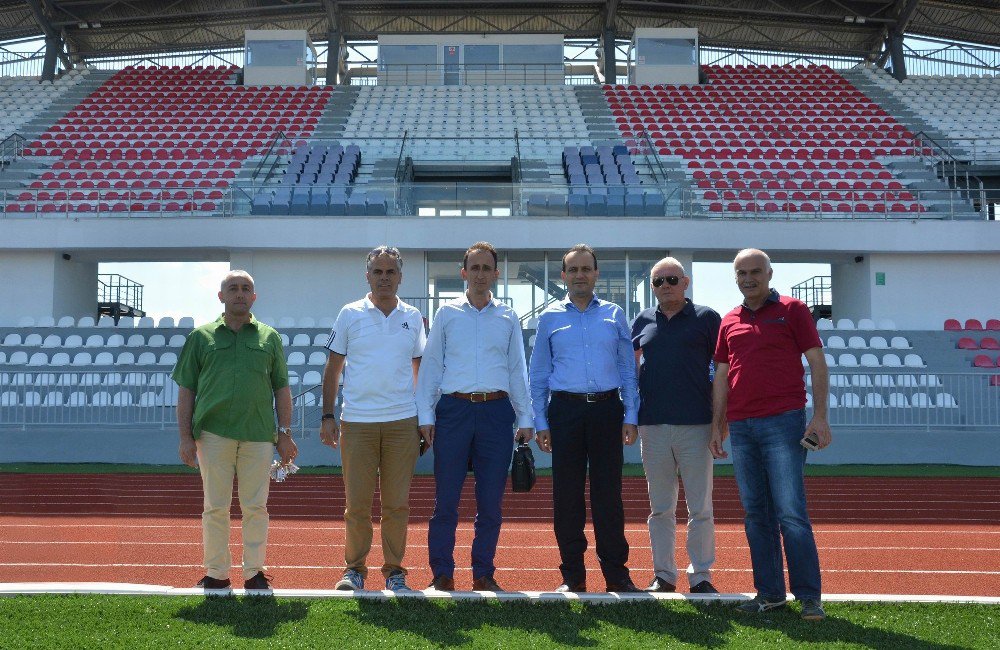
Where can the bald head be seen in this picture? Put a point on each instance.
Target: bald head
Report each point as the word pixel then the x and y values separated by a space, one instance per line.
pixel 237 275
pixel 752 254
pixel 667 266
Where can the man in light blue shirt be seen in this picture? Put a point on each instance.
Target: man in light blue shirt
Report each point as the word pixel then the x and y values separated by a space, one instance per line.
pixel 471 389
pixel 586 404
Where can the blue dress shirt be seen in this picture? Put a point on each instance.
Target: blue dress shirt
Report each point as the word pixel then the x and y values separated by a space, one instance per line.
pixel 583 352
pixel 471 350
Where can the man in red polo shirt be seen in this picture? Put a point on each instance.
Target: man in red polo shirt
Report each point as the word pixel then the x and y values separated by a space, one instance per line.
pixel 759 397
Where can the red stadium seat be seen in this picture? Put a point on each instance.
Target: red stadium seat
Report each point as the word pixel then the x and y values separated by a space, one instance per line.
pixel 974 325
pixel 966 343
pixel 993 325
pixel 952 325
pixel 989 343
pixel 983 361
pixel 995 380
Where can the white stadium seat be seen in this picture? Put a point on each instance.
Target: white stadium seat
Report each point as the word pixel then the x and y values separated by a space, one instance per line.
pixel 168 396
pixel 77 398
pixel 125 322
pixel 945 400
pixel 33 340
pixel 20 379
pixel 284 339
pixel 847 360
pixel 18 358
pixel 122 398
pixel 833 343
pixel 874 400
pixel 147 399
pixel 9 398
pixel 286 323
pixel 884 381
pixel 891 361
pixel 66 321
pixel 845 324
pixel 166 322
pixel 46 321
pixel 850 400
pixel 26 321
pixel 12 340
pixel 186 322
pixel 168 359
pixel 321 339
pixel 101 398
pixel 176 341
pixel 857 343
pixel 837 381
pixel 134 379
pixel 104 359
pixel 112 380
pixel 312 378
pixel 869 361
pixel 145 322
pixel 105 321
pixel 82 359
pixel 85 321
pixel 301 340
pixel 68 379
pixel 317 359
pixel 861 381
pixel 296 359
pixel 898 400
pixel 32 398
pixel 115 341
pixel 922 400
pixel 822 324
pixel 73 341
pixel 136 341
pixel 160 379
pixel 38 359
pixel 866 324
pixel 305 399
pixel 156 341
pixel 878 343
pixel 46 379
pixel 91 379
pixel 52 341
pixel 899 343
pixel 94 341
pixel 59 359
pixel 307 322
pixel 146 359
pixel 125 359
pixel 293 378
pixel 913 361
pixel 53 398
pixel 832 401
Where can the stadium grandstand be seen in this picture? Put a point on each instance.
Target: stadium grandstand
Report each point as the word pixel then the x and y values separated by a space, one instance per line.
pixel 861 135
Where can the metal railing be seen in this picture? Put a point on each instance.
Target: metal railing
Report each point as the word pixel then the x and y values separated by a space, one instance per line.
pixel 894 398
pixel 974 150
pixel 115 288
pixel 817 290
pixel 11 148
pixel 951 170
pixel 430 74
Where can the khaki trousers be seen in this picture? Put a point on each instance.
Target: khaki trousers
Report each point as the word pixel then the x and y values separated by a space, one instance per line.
pixel 382 453
pixel 669 450
pixel 219 460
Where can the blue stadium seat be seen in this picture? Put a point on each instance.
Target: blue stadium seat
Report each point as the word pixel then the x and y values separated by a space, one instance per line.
pixel 356 203
pixel 597 205
pixel 557 205
pixel 577 204
pixel 620 150
pixel 300 201
pixel 319 202
pixel 634 205
pixel 338 203
pixel 261 203
pixel 654 205
pixel 536 205
pixel 616 205
pixel 377 205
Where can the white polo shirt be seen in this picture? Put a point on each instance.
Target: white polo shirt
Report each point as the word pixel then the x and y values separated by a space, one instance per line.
pixel 378 372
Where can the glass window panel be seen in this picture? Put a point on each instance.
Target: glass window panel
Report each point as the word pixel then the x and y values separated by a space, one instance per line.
pixel 482 57
pixel 537 54
pixel 666 51
pixel 407 55
pixel 276 53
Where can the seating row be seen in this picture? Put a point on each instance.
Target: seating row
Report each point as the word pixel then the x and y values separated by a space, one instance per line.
pixel 896 400
pixel 337 200
pixel 848 360
pixel 80 399
pixel 596 203
pixel 985 361
pixel 988 343
pixel 166 322
pixel 83 359
pixel 848 324
pixel 53 341
pixel 881 381
pixel 972 324
pixel 86 379
pixel 859 343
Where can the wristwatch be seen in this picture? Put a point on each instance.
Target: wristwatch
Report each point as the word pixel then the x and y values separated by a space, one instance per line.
pixel 282 430
pixel 329 416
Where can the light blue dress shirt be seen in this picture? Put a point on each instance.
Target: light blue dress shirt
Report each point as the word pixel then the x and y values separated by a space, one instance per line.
pixel 583 352
pixel 470 351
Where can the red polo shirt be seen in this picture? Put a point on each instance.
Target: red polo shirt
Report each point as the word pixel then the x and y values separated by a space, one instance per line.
pixel 764 351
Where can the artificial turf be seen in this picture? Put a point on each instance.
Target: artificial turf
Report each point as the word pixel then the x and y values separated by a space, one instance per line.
pixel 91 621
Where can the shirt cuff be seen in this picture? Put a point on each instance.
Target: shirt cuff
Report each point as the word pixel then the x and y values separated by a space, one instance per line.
pixel 526 422
pixel 541 423
pixel 425 417
pixel 631 418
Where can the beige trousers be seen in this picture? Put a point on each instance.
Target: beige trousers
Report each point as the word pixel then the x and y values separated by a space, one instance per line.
pixel 382 453
pixel 219 460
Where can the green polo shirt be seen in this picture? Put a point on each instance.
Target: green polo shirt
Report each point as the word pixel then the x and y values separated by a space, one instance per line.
pixel 234 376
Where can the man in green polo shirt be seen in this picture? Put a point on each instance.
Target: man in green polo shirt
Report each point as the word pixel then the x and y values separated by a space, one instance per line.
pixel 232 377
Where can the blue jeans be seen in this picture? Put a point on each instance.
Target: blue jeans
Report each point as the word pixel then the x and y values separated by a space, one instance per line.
pixel 769 462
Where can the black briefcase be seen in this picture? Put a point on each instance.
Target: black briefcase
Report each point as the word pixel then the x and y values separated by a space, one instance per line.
pixel 522 469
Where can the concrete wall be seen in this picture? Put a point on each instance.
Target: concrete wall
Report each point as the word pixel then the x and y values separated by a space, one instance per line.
pixel 42 283
pixel 852 290
pixel 317 284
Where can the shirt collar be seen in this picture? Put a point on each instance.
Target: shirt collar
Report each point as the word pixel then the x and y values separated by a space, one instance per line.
pixel 221 321
pixel 772 296
pixel 370 306
pixel 464 301
pixel 567 302
pixel 687 309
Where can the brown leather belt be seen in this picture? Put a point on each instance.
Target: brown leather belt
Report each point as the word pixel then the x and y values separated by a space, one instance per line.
pixel 480 396
pixel 587 397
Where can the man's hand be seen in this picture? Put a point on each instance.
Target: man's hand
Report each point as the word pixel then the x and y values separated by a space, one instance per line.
pixel 821 427
pixel 524 434
pixel 427 433
pixel 188 451
pixel 629 433
pixel 287 449
pixel 329 433
pixel 544 440
pixel 720 431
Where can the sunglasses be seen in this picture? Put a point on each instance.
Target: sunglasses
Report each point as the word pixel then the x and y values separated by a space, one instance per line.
pixel 672 280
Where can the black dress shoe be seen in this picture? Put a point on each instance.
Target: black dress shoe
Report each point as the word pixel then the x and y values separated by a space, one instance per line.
pixel 576 588
pixel 442 583
pixel 704 587
pixel 624 587
pixel 208 582
pixel 659 585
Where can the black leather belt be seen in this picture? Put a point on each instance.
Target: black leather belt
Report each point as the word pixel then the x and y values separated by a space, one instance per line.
pixel 587 397
pixel 480 396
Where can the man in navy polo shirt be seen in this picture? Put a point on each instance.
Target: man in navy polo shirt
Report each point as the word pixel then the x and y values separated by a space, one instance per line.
pixel 674 343
pixel 759 398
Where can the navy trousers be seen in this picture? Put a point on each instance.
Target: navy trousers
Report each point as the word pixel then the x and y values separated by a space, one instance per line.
pixel 484 433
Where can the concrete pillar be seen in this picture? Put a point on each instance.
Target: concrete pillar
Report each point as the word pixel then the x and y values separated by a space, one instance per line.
pixel 45 284
pixel 610 62
pixel 895 44
pixel 53 46
pixel 333 46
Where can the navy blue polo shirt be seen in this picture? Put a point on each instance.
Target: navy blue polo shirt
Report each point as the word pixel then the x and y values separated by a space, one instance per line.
pixel 674 384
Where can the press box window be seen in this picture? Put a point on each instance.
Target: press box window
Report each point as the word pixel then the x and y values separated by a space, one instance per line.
pixel 276 53
pixel 666 51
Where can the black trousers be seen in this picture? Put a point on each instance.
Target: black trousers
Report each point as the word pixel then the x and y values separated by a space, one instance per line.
pixel 588 434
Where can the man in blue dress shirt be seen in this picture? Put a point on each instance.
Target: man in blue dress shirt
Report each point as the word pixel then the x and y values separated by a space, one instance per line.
pixel 583 360
pixel 471 389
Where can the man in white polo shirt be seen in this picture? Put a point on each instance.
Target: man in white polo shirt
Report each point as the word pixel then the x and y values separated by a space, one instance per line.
pixel 377 342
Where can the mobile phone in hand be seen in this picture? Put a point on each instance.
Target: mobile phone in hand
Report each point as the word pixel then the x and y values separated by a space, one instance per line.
pixel 810 442
pixel 423 445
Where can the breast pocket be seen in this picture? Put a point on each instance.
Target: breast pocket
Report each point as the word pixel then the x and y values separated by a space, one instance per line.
pixel 258 357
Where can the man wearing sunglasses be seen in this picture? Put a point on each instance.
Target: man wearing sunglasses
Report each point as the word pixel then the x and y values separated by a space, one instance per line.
pixel 759 398
pixel 674 342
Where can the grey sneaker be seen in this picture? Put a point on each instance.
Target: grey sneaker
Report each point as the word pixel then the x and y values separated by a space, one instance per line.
pixel 759 605
pixel 812 610
pixel 352 581
pixel 396 581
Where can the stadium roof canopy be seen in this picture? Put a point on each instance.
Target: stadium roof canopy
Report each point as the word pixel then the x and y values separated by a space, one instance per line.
pixel 838 27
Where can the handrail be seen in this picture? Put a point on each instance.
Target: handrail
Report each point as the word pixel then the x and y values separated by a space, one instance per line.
pixel 948 159
pixel 517 152
pixel 652 150
pixel 400 171
pixel 14 143
pixel 279 136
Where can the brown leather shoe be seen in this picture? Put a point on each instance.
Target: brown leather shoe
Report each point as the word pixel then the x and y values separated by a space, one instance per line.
pixel 576 588
pixel 660 585
pixel 442 583
pixel 624 587
pixel 486 583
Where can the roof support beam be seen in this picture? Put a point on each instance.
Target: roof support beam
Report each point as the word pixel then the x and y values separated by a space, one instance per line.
pixel 53 42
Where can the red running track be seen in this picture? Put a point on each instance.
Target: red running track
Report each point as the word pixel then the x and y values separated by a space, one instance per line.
pixel 875 535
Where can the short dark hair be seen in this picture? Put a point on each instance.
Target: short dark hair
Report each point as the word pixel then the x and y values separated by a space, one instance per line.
pixel 391 251
pixel 579 248
pixel 480 246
